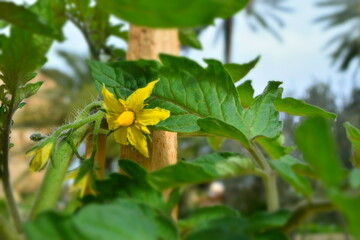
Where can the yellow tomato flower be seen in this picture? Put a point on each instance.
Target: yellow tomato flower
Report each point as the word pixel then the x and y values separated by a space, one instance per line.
pixel 40 157
pixel 84 186
pixel 129 118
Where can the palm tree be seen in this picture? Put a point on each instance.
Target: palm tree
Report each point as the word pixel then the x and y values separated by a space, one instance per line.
pixel 345 15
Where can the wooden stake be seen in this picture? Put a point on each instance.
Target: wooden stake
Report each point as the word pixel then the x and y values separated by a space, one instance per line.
pixel 147 43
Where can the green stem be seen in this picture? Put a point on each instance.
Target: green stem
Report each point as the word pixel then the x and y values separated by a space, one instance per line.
pixel 5 168
pixel 56 172
pixel 271 189
pixel 7 231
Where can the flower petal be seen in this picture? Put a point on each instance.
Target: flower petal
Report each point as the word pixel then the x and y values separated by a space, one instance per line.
pixel 135 101
pixel 111 104
pixel 41 157
pixel 138 140
pixel 121 135
pixel 112 120
pixel 152 116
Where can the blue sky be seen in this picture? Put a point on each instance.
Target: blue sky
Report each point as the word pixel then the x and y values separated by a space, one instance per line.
pixel 298 61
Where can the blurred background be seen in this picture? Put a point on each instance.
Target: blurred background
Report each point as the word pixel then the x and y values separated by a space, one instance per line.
pixel 313 47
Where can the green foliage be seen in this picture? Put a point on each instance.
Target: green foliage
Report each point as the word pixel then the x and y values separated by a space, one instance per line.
pixel 246 93
pixel 301 108
pixel 176 13
pixel 27 91
pixel 274 146
pixel 239 71
pixel 298 182
pixel 109 221
pixel 24 18
pixel 188 37
pixel 353 135
pixel 203 169
pixel 317 144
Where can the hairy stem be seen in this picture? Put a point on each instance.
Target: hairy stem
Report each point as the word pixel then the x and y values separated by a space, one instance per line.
pixel 272 194
pixel 5 171
pixel 56 172
pixel 7 231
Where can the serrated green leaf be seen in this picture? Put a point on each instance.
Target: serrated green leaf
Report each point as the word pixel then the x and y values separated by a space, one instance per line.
pixel 217 127
pixel 239 71
pixel 189 38
pixel 353 135
pixel 274 147
pixel 315 140
pixel 22 54
pixel 23 18
pixel 27 91
pixel 261 118
pixel 185 88
pixel 203 169
pixel 96 221
pixel 207 214
pixel 176 13
pixel 298 182
pixel 301 108
pixel 246 93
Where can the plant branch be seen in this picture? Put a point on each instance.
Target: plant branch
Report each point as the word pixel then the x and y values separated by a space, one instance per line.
pixel 272 194
pixel 5 171
pixel 303 212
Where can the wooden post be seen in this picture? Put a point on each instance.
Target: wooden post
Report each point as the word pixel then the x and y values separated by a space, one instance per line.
pixel 147 43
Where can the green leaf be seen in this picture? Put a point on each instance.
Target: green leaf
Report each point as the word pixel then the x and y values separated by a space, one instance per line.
pixel 220 128
pixel 315 140
pixel 3 24
pixel 348 204
pixel 188 37
pixel 239 71
pixel 274 146
pixel 246 93
pixel 24 18
pixel 206 214
pixel 22 53
pixel 298 166
pixel 27 91
pixel 354 178
pixel 264 221
pixel 298 182
pixel 353 135
pixel 188 90
pixel 109 221
pixel 215 142
pixel 176 13
pixel 261 118
pixel 301 108
pixel 203 169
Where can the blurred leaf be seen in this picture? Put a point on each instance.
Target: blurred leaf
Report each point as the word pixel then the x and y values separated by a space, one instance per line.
pixel 354 178
pixel 239 71
pixel 3 24
pixel 176 13
pixel 215 142
pixel 131 186
pixel 109 221
pixel 246 93
pixel 27 91
pixel 188 37
pixel 353 135
pixel 206 214
pixel 263 221
pixel 315 140
pixel 298 182
pixel 23 18
pixel 274 146
pixel 203 169
pixel 301 108
pixel 298 166
pixel 348 204
pixel 217 127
